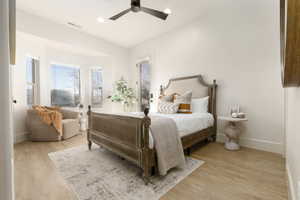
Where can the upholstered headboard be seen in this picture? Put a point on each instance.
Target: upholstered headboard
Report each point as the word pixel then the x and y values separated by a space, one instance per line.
pixel 197 85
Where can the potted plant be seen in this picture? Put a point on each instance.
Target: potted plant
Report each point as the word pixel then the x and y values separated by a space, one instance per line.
pixel 123 94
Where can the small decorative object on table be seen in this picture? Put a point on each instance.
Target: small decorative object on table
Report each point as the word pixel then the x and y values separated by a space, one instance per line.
pixel 235 112
pixel 232 131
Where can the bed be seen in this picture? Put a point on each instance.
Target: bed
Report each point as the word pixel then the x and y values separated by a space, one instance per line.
pixel 129 136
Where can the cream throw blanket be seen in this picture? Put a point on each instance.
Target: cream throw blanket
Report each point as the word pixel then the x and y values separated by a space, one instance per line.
pixel 167 144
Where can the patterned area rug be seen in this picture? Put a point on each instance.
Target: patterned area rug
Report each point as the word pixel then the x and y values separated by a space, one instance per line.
pixel 101 175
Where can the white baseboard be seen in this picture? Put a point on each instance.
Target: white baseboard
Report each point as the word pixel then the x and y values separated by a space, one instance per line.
pixel 21 137
pixel 264 145
pixel 291 190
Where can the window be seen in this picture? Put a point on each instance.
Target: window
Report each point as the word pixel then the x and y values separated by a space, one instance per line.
pixel 31 71
pixel 97 87
pixel 65 90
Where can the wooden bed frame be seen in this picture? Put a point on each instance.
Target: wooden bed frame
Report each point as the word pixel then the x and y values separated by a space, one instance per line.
pixel 128 136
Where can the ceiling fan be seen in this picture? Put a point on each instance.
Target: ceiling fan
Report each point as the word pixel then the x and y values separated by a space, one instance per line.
pixel 136 7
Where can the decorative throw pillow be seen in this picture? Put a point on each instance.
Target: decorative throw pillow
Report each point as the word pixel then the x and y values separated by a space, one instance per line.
pixel 185 101
pixel 200 105
pixel 167 107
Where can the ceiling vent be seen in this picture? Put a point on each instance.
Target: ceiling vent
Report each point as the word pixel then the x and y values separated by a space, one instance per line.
pixel 75 26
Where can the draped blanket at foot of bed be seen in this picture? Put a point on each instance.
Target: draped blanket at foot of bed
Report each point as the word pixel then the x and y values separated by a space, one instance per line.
pixel 167 144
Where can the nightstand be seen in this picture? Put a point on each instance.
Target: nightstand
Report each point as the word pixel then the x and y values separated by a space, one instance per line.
pixel 232 132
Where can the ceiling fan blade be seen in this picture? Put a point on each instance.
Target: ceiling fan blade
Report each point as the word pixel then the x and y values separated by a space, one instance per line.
pixel 120 14
pixel 155 13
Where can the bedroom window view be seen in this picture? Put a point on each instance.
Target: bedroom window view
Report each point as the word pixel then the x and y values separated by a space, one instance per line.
pixel 65 90
pixel 144 86
pixel 31 71
pixel 97 87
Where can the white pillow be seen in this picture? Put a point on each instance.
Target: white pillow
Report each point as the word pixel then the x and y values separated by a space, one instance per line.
pixel 200 105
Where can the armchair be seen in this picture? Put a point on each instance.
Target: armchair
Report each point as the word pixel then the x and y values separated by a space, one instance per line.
pixel 39 131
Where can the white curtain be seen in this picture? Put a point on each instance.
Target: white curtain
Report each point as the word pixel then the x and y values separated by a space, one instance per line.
pixel 7 56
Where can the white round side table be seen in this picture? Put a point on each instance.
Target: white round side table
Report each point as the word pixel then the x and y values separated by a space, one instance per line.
pixel 232 132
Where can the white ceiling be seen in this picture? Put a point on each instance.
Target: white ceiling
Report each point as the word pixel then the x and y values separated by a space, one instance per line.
pixel 130 29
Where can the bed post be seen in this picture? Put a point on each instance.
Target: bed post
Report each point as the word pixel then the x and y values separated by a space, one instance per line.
pixel 214 108
pixel 145 148
pixel 161 90
pixel 89 127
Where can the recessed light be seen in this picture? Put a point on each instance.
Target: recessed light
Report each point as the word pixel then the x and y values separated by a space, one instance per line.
pixel 168 11
pixel 101 19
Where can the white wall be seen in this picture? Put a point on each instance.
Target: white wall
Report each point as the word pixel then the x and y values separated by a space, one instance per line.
pixel 293 140
pixel 236 43
pixel 52 42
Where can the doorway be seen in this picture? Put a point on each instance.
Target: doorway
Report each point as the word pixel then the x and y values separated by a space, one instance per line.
pixel 144 84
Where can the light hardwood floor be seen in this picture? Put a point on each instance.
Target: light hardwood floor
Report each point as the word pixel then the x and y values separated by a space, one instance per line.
pixel 242 175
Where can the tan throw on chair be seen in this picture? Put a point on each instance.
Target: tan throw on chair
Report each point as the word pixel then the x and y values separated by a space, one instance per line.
pixel 41 126
pixel 51 116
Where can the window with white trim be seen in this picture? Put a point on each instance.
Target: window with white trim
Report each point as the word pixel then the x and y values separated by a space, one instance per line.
pixel 65 91
pixel 96 87
pixel 32 65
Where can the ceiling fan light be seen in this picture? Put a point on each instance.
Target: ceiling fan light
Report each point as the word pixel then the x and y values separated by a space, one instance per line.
pixel 100 19
pixel 168 11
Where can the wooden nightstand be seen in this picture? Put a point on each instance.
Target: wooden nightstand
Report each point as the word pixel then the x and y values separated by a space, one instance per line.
pixel 232 131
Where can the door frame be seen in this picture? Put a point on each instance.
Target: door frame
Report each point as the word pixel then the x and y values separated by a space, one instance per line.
pixel 7 36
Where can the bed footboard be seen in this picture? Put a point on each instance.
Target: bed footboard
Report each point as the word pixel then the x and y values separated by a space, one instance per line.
pixel 127 136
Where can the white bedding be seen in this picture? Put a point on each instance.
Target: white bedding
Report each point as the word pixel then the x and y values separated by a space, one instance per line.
pixel 187 123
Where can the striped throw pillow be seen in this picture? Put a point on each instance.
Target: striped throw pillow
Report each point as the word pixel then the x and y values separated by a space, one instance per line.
pixel 167 107
pixel 185 101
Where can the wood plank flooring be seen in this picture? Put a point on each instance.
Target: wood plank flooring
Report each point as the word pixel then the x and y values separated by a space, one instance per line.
pixel 242 175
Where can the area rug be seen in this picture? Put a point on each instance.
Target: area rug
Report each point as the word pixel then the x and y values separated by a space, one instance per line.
pixel 101 175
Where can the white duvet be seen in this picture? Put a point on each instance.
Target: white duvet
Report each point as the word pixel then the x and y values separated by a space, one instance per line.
pixel 187 123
